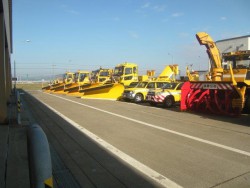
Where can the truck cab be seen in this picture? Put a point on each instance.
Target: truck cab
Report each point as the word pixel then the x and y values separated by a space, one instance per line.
pixel 126 73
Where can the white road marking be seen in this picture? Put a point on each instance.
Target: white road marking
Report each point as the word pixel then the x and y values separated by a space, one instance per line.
pixel 161 128
pixel 159 178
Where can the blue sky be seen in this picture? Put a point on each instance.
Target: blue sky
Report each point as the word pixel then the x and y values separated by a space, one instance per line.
pixel 68 35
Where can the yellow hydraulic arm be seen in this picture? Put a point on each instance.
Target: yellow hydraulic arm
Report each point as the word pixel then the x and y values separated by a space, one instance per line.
pixel 214 55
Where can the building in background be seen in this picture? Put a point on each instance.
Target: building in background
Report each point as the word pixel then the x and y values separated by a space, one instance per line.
pixel 5 61
pixel 234 44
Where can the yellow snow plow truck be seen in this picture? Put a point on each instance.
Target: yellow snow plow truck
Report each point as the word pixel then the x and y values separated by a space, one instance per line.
pixel 59 85
pixel 125 73
pixel 122 76
pixel 82 79
pixel 227 90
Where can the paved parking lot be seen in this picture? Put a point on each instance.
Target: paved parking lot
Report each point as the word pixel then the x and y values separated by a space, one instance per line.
pixel 118 144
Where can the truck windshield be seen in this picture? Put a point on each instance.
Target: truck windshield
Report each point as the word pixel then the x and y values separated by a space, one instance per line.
pixel 82 77
pixel 118 71
pixel 104 73
pixel 76 76
pixel 69 76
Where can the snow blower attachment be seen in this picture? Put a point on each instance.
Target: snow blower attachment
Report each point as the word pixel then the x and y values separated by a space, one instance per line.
pixel 227 90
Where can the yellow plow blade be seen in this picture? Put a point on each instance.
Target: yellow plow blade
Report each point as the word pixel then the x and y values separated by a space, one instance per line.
pixel 74 89
pixel 106 91
pixel 46 87
pixel 58 89
pixel 49 87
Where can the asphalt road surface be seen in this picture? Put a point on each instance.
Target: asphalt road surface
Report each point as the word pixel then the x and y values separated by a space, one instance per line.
pixel 103 143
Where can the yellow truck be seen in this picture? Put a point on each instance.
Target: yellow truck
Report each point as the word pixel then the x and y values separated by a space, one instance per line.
pixel 168 95
pixel 125 73
pixel 68 78
pixel 82 78
pixel 101 75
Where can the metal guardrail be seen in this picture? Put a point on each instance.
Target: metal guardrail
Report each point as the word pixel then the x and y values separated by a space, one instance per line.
pixel 39 158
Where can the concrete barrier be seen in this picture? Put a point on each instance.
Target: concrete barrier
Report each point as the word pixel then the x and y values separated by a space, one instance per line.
pixel 39 158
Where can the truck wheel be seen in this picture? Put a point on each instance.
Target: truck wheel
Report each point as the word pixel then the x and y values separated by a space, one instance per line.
pixel 138 98
pixel 168 102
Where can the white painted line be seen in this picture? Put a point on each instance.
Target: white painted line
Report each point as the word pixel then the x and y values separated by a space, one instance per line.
pixel 163 129
pixel 92 98
pixel 131 161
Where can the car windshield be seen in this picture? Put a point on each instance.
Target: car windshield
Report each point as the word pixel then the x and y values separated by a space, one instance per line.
pixel 133 84
pixel 142 85
pixel 169 86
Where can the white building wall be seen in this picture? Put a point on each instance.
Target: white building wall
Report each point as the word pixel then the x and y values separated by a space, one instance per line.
pixel 248 43
pixel 234 44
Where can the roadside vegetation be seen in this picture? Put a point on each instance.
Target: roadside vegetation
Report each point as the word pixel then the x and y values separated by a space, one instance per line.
pixel 30 86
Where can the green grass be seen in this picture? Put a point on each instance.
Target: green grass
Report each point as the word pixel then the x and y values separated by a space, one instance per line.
pixel 30 86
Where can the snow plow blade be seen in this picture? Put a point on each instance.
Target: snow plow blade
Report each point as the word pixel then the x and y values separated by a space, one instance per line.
pixel 48 88
pixel 75 88
pixel 58 89
pixel 111 91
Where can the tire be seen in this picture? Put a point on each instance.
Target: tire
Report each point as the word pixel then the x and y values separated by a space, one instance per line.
pixel 138 98
pixel 168 102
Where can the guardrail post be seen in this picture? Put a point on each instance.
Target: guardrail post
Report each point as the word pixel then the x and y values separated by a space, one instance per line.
pixel 39 158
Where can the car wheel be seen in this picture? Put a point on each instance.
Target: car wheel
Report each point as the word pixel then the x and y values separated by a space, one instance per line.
pixel 168 102
pixel 138 98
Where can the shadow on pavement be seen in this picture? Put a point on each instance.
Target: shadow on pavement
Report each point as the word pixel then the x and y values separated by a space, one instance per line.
pixel 90 164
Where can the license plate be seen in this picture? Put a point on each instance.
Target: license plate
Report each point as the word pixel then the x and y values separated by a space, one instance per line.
pixel 149 98
pixel 209 86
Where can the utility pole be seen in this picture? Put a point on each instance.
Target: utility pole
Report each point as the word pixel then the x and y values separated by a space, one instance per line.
pixel 15 76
